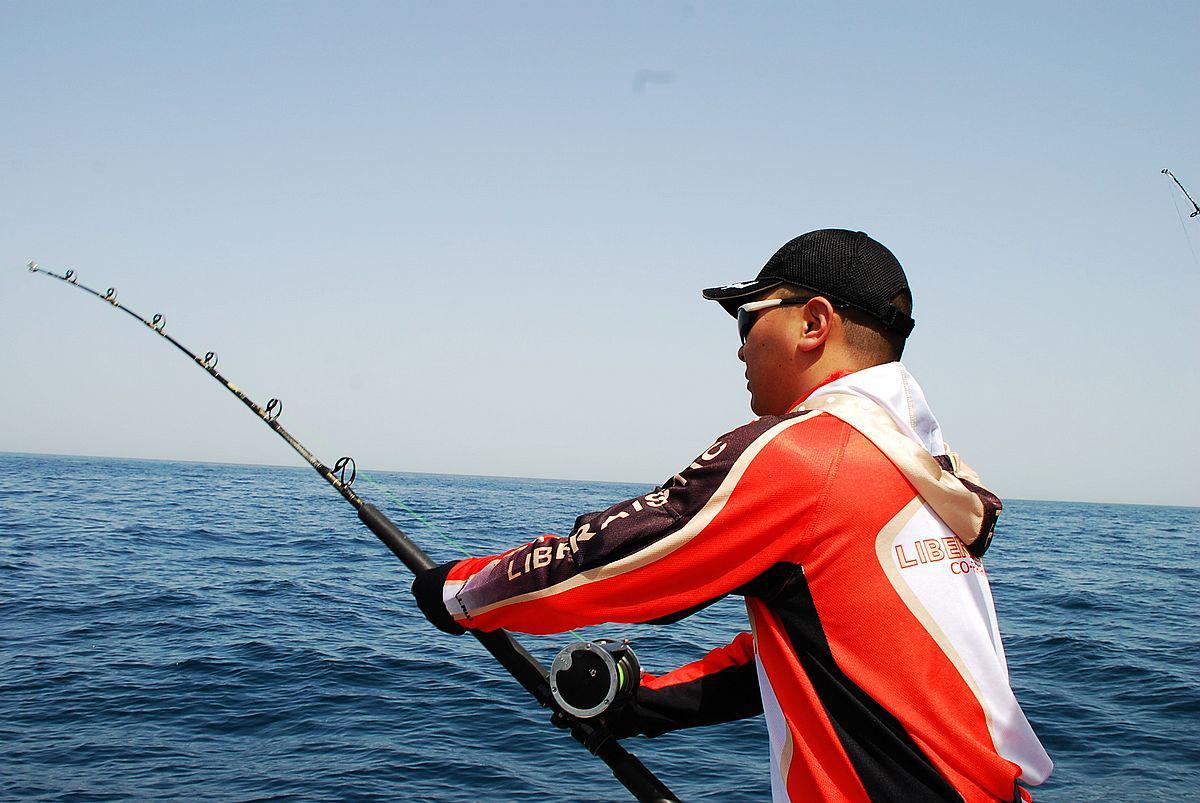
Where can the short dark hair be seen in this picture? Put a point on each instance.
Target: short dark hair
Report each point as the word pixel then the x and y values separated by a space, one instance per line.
pixel 865 333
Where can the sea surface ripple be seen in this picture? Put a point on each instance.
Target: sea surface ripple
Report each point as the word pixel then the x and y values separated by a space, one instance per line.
pixel 186 630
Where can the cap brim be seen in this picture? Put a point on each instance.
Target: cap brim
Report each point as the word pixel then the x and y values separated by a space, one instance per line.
pixel 732 296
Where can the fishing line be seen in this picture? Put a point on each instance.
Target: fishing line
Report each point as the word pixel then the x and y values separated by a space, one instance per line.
pixel 398 502
pixel 450 542
pixel 593 734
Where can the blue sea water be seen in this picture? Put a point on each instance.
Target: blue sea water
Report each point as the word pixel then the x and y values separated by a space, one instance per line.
pixel 197 631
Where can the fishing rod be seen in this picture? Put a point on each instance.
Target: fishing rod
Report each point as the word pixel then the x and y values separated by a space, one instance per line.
pixel 526 669
pixel 1195 206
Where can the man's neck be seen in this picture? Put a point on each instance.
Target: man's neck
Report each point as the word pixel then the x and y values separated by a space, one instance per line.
pixel 838 374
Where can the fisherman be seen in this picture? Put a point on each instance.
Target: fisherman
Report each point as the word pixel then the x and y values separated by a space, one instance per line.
pixel 851 530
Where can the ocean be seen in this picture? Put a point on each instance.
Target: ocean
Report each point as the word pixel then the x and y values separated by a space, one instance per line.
pixel 176 631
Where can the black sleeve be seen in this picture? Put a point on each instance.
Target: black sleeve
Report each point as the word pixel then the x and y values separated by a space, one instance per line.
pixel 721 687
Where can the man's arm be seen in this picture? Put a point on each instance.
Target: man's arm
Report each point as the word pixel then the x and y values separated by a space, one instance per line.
pixel 732 513
pixel 720 687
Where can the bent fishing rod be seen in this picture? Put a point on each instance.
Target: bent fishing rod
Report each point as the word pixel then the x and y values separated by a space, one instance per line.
pixel 526 669
pixel 1195 206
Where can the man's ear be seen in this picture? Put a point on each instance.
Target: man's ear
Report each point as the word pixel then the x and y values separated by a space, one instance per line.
pixel 818 323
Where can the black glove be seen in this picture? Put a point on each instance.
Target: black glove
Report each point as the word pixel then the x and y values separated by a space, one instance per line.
pixel 636 718
pixel 427 588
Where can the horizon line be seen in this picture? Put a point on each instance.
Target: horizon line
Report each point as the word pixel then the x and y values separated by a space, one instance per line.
pixel 505 476
pixel 307 467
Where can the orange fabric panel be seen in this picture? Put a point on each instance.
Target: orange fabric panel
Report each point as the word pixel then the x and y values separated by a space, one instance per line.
pixel 737 653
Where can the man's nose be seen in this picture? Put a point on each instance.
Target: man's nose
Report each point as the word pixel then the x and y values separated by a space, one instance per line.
pixel 742 352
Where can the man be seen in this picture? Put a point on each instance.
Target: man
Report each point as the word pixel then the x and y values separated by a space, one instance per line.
pixel 850 529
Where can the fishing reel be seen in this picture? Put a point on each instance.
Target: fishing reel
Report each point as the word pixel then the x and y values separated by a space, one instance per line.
pixel 588 678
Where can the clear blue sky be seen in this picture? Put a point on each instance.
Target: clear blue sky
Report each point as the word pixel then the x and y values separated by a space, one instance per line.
pixel 471 238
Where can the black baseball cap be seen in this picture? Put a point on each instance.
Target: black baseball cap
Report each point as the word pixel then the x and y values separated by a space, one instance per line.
pixel 847 267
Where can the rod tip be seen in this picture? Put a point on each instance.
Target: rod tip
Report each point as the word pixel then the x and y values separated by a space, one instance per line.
pixel 33 266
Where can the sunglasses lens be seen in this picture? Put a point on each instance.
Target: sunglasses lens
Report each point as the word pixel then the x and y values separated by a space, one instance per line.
pixel 745 320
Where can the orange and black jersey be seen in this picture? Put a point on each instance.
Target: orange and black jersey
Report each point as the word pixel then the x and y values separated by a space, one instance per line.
pixel 873 649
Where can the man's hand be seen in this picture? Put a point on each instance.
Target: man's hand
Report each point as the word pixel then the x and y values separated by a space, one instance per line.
pixel 625 721
pixel 427 587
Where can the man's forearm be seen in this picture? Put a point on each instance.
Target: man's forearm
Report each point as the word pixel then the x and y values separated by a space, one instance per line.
pixel 721 687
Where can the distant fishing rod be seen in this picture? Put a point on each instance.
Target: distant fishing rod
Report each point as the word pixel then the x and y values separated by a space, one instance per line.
pixel 593 735
pixel 1195 206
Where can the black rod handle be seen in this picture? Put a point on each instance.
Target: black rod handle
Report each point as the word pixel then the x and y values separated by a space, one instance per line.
pixel 637 778
pixel 625 766
pixel 394 539
pixel 503 647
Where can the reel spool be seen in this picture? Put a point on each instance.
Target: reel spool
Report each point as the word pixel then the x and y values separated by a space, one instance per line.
pixel 590 677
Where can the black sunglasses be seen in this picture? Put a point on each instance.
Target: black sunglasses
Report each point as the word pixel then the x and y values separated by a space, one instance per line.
pixel 747 314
